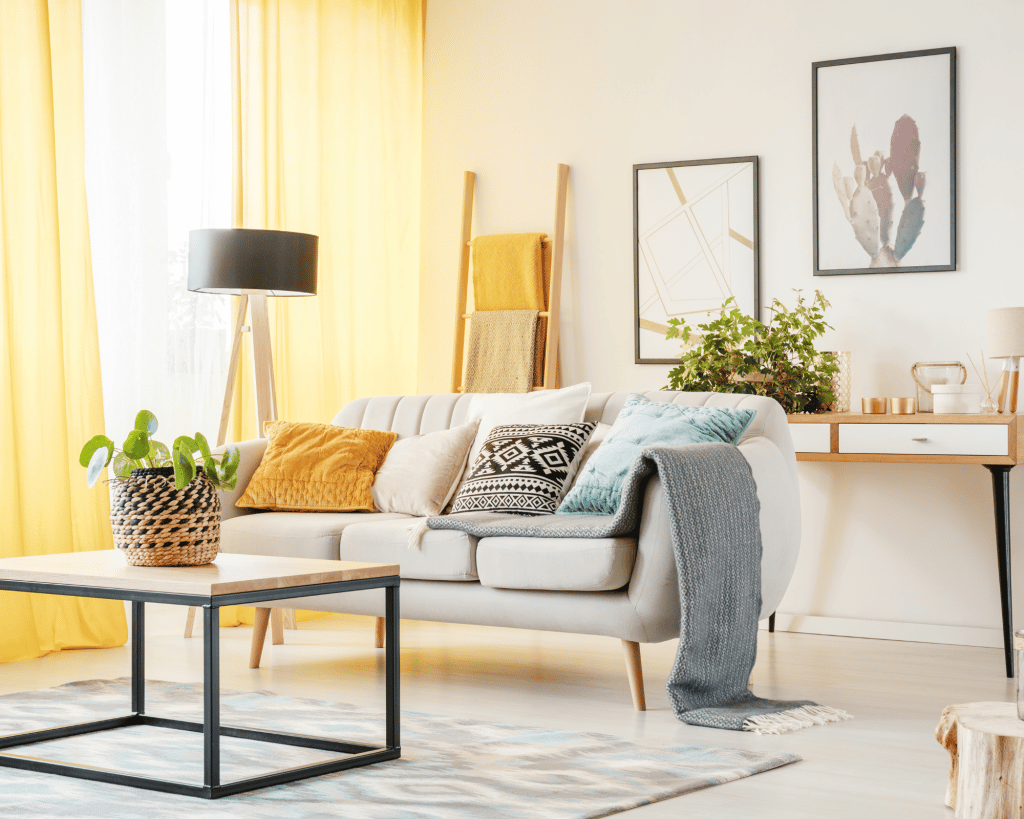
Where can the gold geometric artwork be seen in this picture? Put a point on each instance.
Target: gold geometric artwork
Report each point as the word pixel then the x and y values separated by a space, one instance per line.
pixel 696 235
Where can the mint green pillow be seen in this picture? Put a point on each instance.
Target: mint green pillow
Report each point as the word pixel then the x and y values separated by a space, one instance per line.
pixel 643 423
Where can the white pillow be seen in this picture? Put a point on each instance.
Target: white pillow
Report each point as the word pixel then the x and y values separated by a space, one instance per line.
pixel 565 406
pixel 420 474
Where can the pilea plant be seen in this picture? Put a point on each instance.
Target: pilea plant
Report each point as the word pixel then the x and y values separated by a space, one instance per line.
pixel 141 450
pixel 736 353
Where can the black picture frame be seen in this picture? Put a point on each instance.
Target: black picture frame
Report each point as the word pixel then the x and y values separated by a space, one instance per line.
pixel 674 219
pixel 915 93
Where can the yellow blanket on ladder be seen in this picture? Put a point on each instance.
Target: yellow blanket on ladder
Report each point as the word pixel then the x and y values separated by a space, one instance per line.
pixel 508 272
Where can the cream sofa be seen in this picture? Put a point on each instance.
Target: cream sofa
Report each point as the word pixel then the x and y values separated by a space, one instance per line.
pixel 622 587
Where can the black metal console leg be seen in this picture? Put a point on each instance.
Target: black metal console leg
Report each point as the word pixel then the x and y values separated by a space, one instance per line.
pixel 211 696
pixel 138 656
pixel 771 622
pixel 1001 503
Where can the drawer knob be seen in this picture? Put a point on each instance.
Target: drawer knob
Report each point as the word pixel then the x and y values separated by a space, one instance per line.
pixel 919 439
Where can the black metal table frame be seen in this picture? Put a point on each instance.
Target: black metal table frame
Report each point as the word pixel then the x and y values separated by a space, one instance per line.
pixel 357 753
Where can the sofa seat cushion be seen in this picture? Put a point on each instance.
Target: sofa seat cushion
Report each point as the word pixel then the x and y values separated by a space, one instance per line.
pixel 292 534
pixel 443 554
pixel 556 564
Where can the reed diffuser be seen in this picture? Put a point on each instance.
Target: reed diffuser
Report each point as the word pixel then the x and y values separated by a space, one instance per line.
pixel 987 404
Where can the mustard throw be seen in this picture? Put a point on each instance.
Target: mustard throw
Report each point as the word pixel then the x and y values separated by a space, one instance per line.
pixel 501 350
pixel 508 272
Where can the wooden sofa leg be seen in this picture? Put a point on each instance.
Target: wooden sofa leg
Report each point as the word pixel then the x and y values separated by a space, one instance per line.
pixel 288 618
pixel 378 637
pixel 259 637
pixel 276 626
pixel 190 620
pixel 635 673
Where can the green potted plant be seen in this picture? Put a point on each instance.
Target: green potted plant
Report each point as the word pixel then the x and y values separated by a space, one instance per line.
pixel 736 353
pixel 164 508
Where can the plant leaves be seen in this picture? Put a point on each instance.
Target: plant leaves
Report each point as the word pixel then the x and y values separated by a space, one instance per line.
pixel 159 453
pixel 185 442
pixel 204 448
pixel 96 464
pixel 145 421
pixel 184 463
pixel 121 465
pixel 232 458
pixel 94 443
pixel 136 445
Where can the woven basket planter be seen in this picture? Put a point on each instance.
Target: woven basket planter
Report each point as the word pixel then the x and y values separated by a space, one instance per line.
pixel 157 525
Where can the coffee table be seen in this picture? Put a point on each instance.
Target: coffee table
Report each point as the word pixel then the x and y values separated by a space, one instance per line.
pixel 231 580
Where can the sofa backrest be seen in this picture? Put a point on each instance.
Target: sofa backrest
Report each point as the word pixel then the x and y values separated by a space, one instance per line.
pixel 418 414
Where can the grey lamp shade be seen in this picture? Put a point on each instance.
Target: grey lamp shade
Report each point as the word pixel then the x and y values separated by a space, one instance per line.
pixel 264 262
pixel 1005 332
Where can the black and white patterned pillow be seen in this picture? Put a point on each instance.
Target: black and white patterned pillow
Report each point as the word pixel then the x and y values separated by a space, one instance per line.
pixel 524 469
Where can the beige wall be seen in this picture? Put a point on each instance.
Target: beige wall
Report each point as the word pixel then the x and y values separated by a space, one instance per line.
pixel 512 88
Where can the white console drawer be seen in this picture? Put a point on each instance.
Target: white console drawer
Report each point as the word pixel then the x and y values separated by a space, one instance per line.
pixel 924 439
pixel 811 437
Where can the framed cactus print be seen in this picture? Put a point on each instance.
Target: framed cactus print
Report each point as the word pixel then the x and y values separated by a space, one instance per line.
pixel 883 134
pixel 695 245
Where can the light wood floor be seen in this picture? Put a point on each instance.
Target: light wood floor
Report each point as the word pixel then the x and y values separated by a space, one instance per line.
pixel 885 763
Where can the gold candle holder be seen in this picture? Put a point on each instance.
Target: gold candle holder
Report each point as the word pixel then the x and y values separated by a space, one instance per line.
pixel 873 406
pixel 903 406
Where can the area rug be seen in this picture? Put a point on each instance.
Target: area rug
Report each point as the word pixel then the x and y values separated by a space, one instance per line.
pixel 449 769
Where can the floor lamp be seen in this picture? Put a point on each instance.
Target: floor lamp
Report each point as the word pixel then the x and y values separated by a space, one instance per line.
pixel 1006 341
pixel 252 264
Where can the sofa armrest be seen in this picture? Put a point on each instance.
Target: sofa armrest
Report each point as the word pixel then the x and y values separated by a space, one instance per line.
pixel 653 588
pixel 251 453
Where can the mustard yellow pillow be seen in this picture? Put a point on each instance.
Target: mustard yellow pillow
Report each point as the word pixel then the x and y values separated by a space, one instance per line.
pixel 317 468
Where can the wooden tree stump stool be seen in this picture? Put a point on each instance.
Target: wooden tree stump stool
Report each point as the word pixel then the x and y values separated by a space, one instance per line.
pixel 985 741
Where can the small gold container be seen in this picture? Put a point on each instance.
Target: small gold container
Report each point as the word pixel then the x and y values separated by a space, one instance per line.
pixel 873 406
pixel 903 406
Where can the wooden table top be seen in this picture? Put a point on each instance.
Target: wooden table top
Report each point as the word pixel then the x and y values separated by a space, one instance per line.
pixel 913 418
pixel 228 574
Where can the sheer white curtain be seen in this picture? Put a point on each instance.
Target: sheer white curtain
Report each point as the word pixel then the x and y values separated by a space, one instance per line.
pixel 158 164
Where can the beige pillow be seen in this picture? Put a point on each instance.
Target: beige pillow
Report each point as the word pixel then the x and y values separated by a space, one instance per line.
pixel 420 474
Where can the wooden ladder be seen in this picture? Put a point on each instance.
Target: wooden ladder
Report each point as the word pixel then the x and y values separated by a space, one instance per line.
pixel 462 310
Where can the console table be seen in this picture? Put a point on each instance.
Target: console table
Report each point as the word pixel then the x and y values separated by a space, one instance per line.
pixel 993 441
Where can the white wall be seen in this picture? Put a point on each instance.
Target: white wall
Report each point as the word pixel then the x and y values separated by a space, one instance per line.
pixel 512 88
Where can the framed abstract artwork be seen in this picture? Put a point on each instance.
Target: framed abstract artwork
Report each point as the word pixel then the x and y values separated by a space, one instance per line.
pixel 883 133
pixel 695 244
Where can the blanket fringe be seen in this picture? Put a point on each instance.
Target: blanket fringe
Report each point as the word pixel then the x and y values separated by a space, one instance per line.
pixel 416 533
pixel 795 719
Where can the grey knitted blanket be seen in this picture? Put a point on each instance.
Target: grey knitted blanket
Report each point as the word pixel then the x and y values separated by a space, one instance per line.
pixel 716 536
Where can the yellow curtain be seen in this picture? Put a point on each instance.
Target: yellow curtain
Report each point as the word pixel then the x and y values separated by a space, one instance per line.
pixel 328 100
pixel 328 122
pixel 50 399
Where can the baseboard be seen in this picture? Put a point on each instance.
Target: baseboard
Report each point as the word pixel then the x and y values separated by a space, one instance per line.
pixel 885 630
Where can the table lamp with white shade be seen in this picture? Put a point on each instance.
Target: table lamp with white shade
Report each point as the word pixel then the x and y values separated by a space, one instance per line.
pixel 252 264
pixel 1006 341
